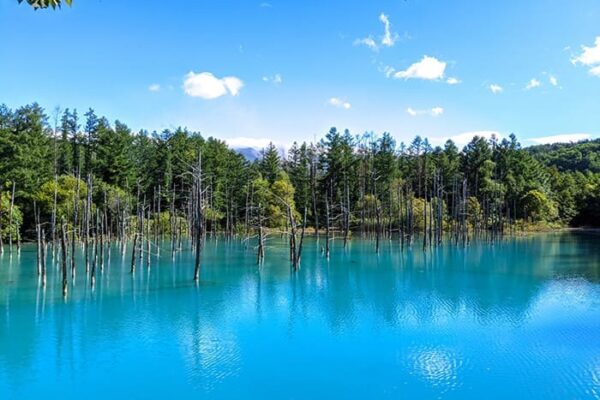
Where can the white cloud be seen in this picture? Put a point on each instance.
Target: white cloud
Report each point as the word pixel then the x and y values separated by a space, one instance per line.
pixel 590 57
pixel 452 81
pixel 388 38
pixel 566 138
pixel 339 103
pixel 462 139
pixel 368 41
pixel 532 84
pixel 233 84
pixel 434 112
pixel 553 80
pixel 207 86
pixel 275 79
pixel 429 68
pixel 495 88
pixel 387 70
pixel 155 87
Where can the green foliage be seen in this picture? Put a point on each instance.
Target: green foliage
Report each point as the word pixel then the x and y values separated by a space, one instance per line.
pixel 359 176
pixel 581 156
pixel 5 218
pixel 298 169
pixel 474 212
pixel 275 199
pixel 112 198
pixel 37 4
pixel 65 188
pixel 539 207
pixel 270 163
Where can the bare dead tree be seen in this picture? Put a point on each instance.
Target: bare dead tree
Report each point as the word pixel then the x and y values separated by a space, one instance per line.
pixel 198 216
pixel 10 218
pixel 44 247
pixel 73 233
pixel 63 246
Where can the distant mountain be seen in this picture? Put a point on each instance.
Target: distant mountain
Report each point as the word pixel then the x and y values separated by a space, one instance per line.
pixel 249 153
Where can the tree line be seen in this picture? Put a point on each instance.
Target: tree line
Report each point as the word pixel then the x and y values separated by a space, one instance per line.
pixel 355 177
pixel 71 177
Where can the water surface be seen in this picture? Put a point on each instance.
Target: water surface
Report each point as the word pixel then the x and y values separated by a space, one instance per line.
pixel 520 319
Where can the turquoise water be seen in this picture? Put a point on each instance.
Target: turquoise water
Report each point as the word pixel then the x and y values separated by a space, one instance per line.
pixel 518 320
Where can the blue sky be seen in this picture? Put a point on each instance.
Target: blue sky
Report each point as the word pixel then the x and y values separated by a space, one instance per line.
pixel 253 71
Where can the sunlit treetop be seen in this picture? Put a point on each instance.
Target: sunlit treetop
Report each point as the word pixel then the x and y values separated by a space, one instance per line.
pixel 46 3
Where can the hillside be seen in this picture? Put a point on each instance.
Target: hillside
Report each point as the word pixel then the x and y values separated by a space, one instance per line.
pixel 580 156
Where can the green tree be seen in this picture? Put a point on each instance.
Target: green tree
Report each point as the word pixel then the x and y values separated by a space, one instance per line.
pixel 37 4
pixel 539 207
pixel 270 163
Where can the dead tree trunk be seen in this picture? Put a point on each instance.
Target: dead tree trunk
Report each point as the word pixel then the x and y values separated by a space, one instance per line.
pixel 95 262
pixel 10 218
pixel 44 247
pixel 87 217
pixel 313 189
pixel 199 217
pixel 327 226
pixel 261 246
pixel 73 234
pixel 63 247
pixel 54 206
pixel 299 254
pixel 39 248
pixel 346 213
pixel 133 255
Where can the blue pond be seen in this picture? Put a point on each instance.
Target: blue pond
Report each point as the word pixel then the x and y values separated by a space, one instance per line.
pixel 519 319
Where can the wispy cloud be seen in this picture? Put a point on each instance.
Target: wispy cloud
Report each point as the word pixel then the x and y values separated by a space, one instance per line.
pixel 462 139
pixel 590 57
pixel 452 81
pixel 553 80
pixel 429 68
pixel 368 41
pixel 388 39
pixel 207 86
pixel 495 88
pixel 276 79
pixel 339 103
pixel 155 87
pixel 532 84
pixel 564 138
pixel 434 112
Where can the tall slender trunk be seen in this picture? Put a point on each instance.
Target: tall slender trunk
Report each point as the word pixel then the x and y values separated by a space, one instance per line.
pixel 261 244
pixel 73 234
pixel 10 218
pixel 44 247
pixel 199 218
pixel 327 227
pixel 95 261
pixel 63 247
pixel 54 206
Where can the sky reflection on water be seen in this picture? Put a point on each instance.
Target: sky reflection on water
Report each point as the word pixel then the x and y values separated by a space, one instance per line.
pixel 520 319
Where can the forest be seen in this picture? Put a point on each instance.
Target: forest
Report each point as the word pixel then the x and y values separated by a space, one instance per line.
pixel 86 175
